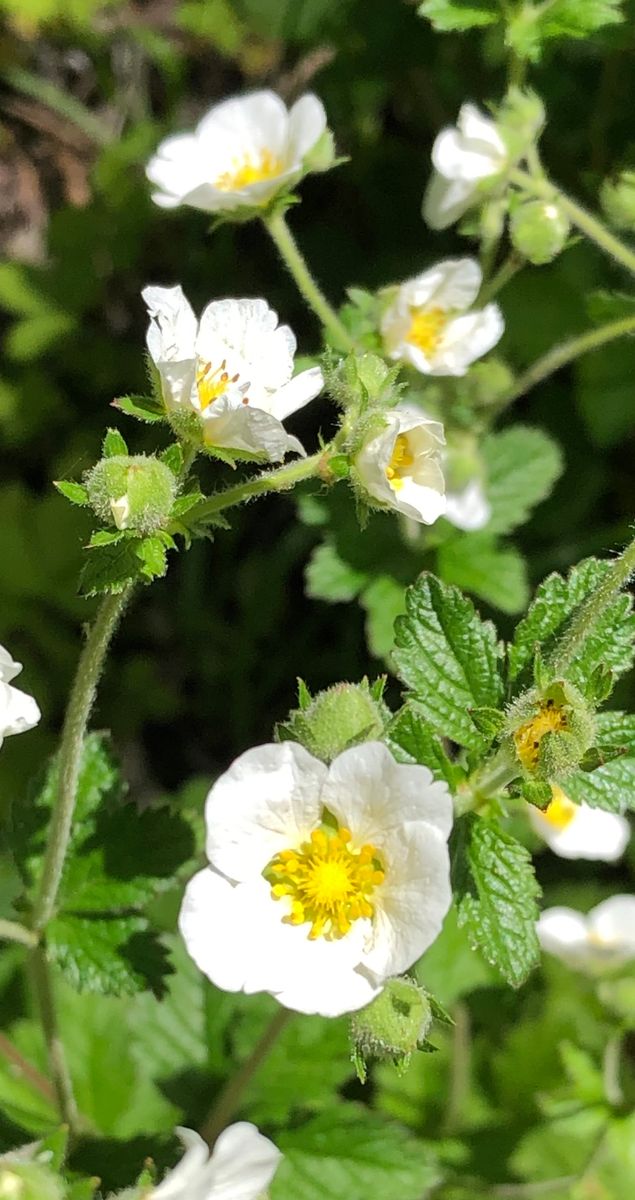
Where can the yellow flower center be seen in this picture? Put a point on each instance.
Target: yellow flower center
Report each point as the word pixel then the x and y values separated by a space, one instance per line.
pixel 426 328
pixel 548 719
pixel 561 811
pixel 251 168
pixel 400 460
pixel 212 383
pixel 329 885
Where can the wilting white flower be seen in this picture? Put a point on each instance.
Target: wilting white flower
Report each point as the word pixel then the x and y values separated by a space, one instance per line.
pixel 462 157
pixel 241 154
pixel 233 369
pixel 597 942
pixel 323 881
pixel 18 712
pixel 428 325
pixel 468 509
pixel 401 466
pixel 578 831
pixel 240 1167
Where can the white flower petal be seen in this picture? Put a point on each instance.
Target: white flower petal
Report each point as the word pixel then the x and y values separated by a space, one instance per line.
pixel 468 509
pixel 243 1163
pixel 591 833
pixel 176 168
pixel 614 921
pixel 563 932
pixel 467 338
pixel 420 494
pixel 255 121
pixel 307 122
pixel 296 393
pixel 451 284
pixel 236 426
pixel 329 980
pixel 471 151
pixel 172 330
pixel 269 800
pixel 480 129
pixel 446 200
pixel 185 1181
pixel 8 667
pixel 18 711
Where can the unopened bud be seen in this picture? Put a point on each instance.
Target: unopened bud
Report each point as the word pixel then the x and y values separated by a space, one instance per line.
pixel 393 1025
pixel 341 716
pixel 132 492
pixel 539 230
pixel 520 120
pixel 551 730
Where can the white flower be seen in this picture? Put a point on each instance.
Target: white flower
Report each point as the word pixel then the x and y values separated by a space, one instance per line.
pixel 233 369
pixel 241 154
pixel 463 156
pixel 578 831
pixel 428 325
pixel 242 1164
pixel 18 712
pixel 324 881
pixel 597 942
pixel 401 466
pixel 468 509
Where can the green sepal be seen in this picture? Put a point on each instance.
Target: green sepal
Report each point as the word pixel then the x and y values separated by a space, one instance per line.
pixel 172 456
pixel 536 792
pixel 185 502
pixel 113 444
pixel 142 408
pixel 488 721
pixel 599 756
pixel 75 492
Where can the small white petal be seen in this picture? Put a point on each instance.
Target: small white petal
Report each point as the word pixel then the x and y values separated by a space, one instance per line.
pixel 307 122
pixel 478 128
pixel 471 151
pixel 614 921
pixel 18 711
pixel 236 426
pixel 185 1181
pixel 446 200
pixel 172 329
pixel 452 284
pixel 467 338
pixel 297 392
pixel 420 493
pixel 8 667
pixel 468 509
pixel 243 1163
pixel 591 833
pixel 563 932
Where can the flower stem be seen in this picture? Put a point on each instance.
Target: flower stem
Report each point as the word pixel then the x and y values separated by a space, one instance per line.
pixel 62 1082
pixel 459 1071
pixel 588 614
pixel 506 271
pixel 594 229
pixel 611 1071
pixel 10 931
pixel 81 700
pixel 296 264
pixel 280 480
pixel 567 352
pixel 229 1098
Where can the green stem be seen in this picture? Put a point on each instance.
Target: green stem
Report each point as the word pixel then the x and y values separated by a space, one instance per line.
pixel 289 252
pixel 460 1070
pixel 567 352
pixel 230 1097
pixel 588 614
pixel 10 931
pixel 280 480
pixel 62 1082
pixel 80 703
pixel 502 277
pixel 594 229
pixel 611 1071
pixel 486 781
pixel 59 101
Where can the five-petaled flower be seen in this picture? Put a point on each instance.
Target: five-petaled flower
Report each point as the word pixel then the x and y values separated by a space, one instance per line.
pixel 233 369
pixel 243 153
pixel 240 1167
pixel 400 467
pixel 18 711
pixel 323 881
pixel 428 323
pixel 579 831
pixel 463 156
pixel 594 943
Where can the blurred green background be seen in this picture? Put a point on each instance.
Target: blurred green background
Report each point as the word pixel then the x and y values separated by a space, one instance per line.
pixel 207 659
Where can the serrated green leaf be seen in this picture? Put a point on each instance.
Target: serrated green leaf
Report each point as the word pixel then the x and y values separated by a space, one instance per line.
pixel 112 956
pixel 347 1152
pixel 611 644
pixel 522 465
pixel 476 563
pixel 495 892
pixel 449 16
pixel 411 740
pixel 611 786
pixel 104 537
pixel 329 577
pixel 152 555
pixel 489 721
pixel 110 568
pixel 114 443
pixel 185 502
pixel 143 408
pixel 448 658
pixel 75 492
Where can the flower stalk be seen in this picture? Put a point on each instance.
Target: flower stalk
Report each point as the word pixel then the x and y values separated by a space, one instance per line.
pixel 280 480
pixel 228 1101
pixel 11 931
pixel 296 264
pixel 567 352
pixel 60 1074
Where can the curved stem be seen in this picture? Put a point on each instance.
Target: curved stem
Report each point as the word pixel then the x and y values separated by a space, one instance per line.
pixel 594 229
pixel 62 1082
pixel 588 614
pixel 506 271
pixel 11 931
pixel 279 480
pixel 289 252
pixel 81 700
pixel 566 352
pixel 229 1098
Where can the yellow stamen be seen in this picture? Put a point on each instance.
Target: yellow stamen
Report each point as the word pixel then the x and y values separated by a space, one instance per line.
pixel 328 884
pixel 251 168
pixel 212 382
pixel 561 811
pixel 426 328
pixel 549 719
pixel 400 461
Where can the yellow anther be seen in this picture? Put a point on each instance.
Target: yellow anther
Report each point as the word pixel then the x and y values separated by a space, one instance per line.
pixel 549 719
pixel 426 328
pixel 401 459
pixel 251 168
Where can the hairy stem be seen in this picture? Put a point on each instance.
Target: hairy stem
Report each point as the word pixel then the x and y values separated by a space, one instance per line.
pixel 280 480
pixel 11 931
pixel 588 614
pixel 591 226
pixel 296 264
pixel 567 352
pixel 80 703
pixel 62 1082
pixel 230 1097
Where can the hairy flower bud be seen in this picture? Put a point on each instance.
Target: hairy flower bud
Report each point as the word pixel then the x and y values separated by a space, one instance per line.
pixel 339 717
pixel 551 730
pixel 539 230
pixel 393 1026
pixel 132 492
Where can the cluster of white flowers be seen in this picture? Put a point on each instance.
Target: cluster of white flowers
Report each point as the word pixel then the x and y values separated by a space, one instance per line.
pixel 18 711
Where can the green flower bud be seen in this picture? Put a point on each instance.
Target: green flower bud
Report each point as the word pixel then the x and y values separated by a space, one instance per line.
pixel 551 730
pixel 341 716
pixel 539 230
pixel 393 1025
pixel 520 120
pixel 132 492
pixel 618 200
pixel 29 1181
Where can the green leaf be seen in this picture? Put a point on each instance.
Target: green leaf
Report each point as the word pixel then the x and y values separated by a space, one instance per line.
pixel 114 443
pixel 172 456
pixel 495 892
pixel 451 968
pixel 383 601
pixel 105 537
pixel 143 408
pixel 604 306
pixel 411 740
pixel 110 568
pixel 329 577
pixel 448 658
pixel 476 563
pixel 113 956
pixel 538 23
pixel 184 503
pixel 557 598
pixel 611 786
pixel 449 16
pixel 347 1152
pixel 75 492
pixel 522 465
pixel 152 555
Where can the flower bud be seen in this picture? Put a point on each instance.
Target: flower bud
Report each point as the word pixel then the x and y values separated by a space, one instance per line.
pixel 520 120
pixel 618 200
pixel 132 492
pixel 551 730
pixel 392 1027
pixel 539 230
pixel 341 716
